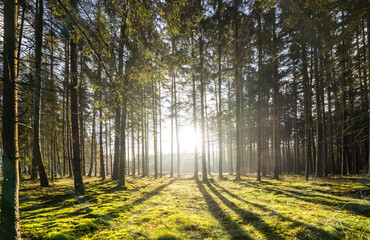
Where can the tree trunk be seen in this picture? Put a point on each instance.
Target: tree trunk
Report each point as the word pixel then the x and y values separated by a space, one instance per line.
pixel 154 92
pixel 319 125
pixel 230 132
pixel 219 112
pixel 102 167
pixel 307 110
pixel 201 75
pixel 92 145
pixel 194 96
pixel 37 94
pixel 259 110
pixel 160 133
pixel 276 115
pixel 133 149
pixel 238 92
pixel 10 187
pixel 122 164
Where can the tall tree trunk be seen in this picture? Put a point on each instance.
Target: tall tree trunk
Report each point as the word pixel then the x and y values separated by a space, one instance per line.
pixel 155 134
pixel 201 75
pixel 172 116
pixel 319 125
pixel 92 145
pixel 219 112
pixel 259 110
pixel 106 148
pixel 230 132
pixel 101 150
pixel 194 96
pixel 133 148
pixel 160 132
pixel 37 94
pixel 122 164
pixel 307 111
pixel 177 130
pixel 78 182
pixel 295 110
pixel 276 115
pixel 10 187
pixel 208 140
pixel 238 92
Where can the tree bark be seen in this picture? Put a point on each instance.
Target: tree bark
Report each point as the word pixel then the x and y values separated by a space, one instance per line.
pixel 10 187
pixel 78 182
pixel 201 75
pixel 238 92
pixel 37 94
pixel 276 115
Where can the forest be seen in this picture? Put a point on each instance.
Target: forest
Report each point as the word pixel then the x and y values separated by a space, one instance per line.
pixel 185 119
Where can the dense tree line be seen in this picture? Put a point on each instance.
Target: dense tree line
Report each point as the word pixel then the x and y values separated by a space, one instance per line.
pixel 271 87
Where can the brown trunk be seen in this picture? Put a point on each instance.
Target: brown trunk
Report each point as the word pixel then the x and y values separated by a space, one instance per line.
pixel 10 187
pixel 37 94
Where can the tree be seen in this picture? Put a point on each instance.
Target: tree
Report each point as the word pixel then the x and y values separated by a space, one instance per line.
pixel 276 122
pixel 78 182
pixel 10 228
pixel 37 95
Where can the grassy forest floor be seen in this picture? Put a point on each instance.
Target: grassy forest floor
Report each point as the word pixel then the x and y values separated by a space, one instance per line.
pixel 170 208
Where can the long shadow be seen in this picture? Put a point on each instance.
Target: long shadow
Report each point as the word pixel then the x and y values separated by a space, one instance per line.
pixel 249 217
pixel 113 213
pixel 233 229
pixel 322 233
pixel 87 212
pixel 354 208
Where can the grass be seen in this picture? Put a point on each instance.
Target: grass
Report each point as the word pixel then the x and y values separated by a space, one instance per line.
pixel 169 208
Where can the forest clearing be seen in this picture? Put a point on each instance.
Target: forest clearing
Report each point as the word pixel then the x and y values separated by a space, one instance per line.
pixel 185 119
pixel 182 208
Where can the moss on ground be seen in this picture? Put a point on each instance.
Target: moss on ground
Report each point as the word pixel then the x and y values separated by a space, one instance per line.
pixel 168 208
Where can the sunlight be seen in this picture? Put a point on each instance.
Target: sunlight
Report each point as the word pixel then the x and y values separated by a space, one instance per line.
pixel 188 139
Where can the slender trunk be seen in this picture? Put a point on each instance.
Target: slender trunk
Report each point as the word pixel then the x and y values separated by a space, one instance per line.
pixel 92 145
pixel 101 150
pixel 172 116
pixel 78 182
pixel 307 110
pixel 276 117
pixel 207 126
pixel 122 164
pixel 230 131
pixel 160 132
pixel 201 75
pixel 194 95
pixel 319 126
pixel 238 92
pixel 219 112
pixel 177 130
pixel 106 149
pixel 37 94
pixel 133 149
pixel 259 113
pixel 154 92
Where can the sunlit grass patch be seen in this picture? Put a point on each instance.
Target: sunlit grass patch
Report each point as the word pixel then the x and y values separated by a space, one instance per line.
pixel 181 208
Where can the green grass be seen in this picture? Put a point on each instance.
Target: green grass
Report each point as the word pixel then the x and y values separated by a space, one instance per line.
pixel 168 208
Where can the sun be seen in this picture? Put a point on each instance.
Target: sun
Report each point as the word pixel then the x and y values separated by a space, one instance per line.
pixel 188 139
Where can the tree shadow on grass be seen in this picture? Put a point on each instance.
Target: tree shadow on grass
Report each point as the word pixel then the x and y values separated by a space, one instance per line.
pixel 233 229
pixel 322 234
pixel 354 208
pixel 85 211
pixel 248 217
